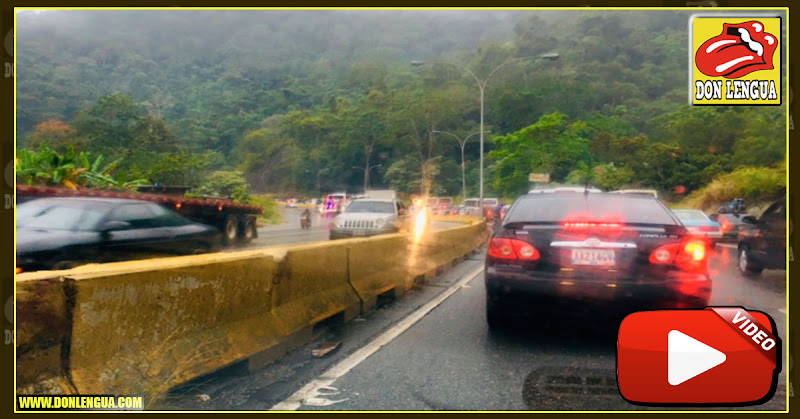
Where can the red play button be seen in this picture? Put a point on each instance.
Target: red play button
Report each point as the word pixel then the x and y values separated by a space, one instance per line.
pixel 716 356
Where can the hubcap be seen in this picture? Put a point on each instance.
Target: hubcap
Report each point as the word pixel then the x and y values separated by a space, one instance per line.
pixel 231 230
pixel 743 260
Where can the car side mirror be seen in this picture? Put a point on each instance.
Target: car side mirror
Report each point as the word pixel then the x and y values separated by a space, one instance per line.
pixel 749 219
pixel 115 226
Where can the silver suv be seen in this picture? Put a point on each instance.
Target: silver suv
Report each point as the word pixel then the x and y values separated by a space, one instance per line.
pixel 370 217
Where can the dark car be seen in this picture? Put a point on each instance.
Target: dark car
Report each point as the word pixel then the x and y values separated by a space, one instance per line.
pixel 60 233
pixel 731 224
pixel 629 250
pixel 762 240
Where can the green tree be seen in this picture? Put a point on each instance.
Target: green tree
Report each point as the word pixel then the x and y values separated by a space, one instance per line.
pixel 229 184
pixel 552 145
pixel 110 123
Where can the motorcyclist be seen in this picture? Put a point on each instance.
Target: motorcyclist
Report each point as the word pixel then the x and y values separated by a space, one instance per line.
pixel 305 218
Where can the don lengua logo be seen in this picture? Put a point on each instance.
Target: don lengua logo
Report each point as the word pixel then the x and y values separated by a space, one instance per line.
pixel 735 61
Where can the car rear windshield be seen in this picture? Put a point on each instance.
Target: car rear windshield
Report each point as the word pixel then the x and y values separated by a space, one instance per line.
pixel 371 206
pixel 595 207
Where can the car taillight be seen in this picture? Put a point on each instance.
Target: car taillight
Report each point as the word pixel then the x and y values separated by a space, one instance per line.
pixel 512 249
pixel 664 255
pixel 694 251
pixel 725 226
pixel 689 255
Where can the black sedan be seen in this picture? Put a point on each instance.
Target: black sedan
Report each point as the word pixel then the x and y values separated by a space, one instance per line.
pixel 623 250
pixel 60 233
pixel 762 240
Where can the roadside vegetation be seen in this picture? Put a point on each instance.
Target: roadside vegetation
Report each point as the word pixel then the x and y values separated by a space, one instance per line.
pixel 756 185
pixel 232 119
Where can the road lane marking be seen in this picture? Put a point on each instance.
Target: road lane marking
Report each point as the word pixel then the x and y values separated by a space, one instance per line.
pixel 315 389
pixel 728 245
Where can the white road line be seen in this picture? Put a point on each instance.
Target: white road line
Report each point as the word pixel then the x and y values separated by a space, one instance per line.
pixel 783 311
pixel 728 245
pixel 317 386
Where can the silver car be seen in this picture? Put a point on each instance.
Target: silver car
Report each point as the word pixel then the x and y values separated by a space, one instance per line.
pixel 370 217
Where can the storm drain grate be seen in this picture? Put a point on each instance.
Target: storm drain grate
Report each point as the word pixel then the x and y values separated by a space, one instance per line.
pixel 575 384
pixel 571 388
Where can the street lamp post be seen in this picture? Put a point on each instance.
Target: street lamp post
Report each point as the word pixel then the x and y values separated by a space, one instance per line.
pixel 366 174
pixel 463 144
pixel 482 88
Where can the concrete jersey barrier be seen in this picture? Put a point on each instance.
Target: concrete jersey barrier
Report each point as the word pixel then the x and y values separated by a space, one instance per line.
pixel 142 327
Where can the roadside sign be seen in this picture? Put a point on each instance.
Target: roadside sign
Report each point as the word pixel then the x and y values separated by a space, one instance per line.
pixel 539 177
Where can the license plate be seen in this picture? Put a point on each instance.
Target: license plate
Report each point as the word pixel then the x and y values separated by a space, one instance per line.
pixel 359 232
pixel 593 257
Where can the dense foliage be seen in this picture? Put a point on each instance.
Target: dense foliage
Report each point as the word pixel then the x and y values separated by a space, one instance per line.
pixel 46 167
pixel 305 102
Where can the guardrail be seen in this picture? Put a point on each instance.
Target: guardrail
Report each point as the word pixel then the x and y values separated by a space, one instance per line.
pixel 142 327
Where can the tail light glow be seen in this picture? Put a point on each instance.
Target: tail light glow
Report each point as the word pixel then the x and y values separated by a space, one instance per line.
pixel 689 255
pixel 695 250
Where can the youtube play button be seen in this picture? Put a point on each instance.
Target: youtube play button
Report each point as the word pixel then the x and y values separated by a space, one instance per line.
pixel 718 356
pixel 687 357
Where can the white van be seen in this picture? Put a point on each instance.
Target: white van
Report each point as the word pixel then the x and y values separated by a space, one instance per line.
pixel 472 205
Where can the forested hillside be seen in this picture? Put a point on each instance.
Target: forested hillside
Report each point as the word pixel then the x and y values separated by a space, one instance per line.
pixel 303 101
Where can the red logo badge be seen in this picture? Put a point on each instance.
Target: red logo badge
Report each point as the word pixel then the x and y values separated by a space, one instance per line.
pixel 739 50
pixel 717 356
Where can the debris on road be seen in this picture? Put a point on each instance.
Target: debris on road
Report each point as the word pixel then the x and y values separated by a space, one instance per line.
pixel 325 348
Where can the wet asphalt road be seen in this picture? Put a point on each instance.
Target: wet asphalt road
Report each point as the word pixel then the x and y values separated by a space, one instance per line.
pixel 449 360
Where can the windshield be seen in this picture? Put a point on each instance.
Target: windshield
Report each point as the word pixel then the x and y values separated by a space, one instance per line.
pixel 58 216
pixel 370 206
pixel 557 208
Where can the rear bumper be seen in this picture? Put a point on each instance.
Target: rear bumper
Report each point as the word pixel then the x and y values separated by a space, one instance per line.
pixel 677 289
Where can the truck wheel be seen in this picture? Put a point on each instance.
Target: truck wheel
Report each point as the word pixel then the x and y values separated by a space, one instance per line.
pixel 249 231
pixel 230 230
pixel 64 265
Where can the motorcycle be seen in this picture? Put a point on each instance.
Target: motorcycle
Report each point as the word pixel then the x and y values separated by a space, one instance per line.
pixel 736 206
pixel 305 221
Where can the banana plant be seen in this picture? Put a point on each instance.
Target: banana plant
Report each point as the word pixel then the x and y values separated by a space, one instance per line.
pixel 72 170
